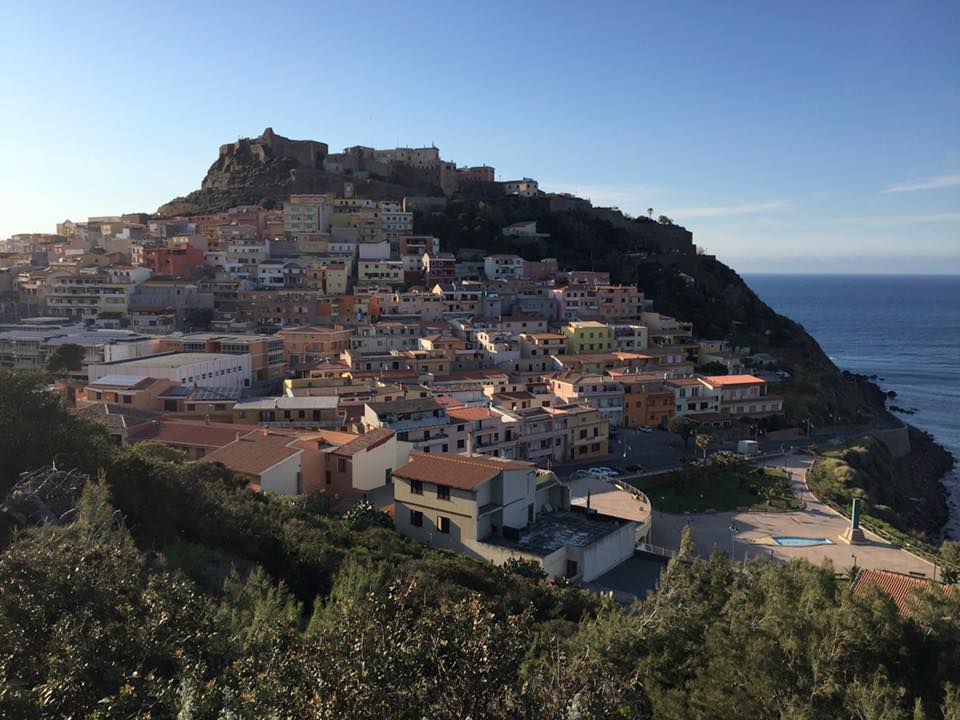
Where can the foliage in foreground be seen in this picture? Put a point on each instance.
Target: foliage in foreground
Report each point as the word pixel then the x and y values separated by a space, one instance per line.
pixel 178 593
pixel 91 626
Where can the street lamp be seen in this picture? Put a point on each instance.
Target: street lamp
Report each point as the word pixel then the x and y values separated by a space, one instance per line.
pixel 733 537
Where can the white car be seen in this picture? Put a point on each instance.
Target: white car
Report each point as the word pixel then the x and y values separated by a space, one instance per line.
pixel 603 472
pixel 646 429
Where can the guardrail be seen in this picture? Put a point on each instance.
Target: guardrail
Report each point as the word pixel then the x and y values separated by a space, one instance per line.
pixel 899 541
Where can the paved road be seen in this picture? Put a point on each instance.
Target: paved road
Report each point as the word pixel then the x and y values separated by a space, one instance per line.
pixel 818 520
pixel 662 450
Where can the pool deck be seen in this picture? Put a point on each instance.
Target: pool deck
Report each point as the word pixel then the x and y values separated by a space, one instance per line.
pixel 817 520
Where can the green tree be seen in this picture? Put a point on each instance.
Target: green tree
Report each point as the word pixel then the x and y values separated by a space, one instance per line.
pixel 199 318
pixel 65 359
pixel 703 445
pixel 682 426
pixel 36 429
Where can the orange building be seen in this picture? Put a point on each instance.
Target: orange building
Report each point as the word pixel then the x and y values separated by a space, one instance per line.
pixel 646 402
pixel 305 346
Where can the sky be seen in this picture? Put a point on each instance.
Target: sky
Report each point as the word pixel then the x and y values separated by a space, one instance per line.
pixel 789 137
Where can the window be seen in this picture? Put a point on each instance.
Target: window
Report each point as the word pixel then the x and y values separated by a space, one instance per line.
pixel 583 434
pixel 460 444
pixel 443 524
pixel 341 465
pixel 327 477
pixel 416 487
pixel 571 568
pixel 416 518
pixel 443 492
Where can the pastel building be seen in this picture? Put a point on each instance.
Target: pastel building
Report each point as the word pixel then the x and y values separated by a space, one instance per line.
pixel 494 509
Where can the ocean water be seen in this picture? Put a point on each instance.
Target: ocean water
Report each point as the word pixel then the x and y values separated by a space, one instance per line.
pixel 903 328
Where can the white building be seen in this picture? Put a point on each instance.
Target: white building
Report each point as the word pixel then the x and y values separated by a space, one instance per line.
pixel 307 214
pixel 189 368
pixel 503 267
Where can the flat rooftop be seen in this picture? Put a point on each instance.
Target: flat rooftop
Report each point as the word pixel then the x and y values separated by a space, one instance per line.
pixel 172 359
pixel 559 529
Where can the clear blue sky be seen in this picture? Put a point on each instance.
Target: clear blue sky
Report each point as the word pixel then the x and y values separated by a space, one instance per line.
pixel 804 136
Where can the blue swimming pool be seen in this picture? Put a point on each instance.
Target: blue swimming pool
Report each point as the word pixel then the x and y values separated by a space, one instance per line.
pixel 791 541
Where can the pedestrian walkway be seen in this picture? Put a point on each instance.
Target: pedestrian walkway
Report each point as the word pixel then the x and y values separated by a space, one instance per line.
pixel 747 534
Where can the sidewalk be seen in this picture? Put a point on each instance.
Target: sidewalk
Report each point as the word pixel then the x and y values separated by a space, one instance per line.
pixel 817 520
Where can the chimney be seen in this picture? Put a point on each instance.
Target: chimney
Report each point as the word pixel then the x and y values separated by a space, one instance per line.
pixel 237 438
pixel 588 501
pixel 265 432
pixel 206 419
pixel 469 444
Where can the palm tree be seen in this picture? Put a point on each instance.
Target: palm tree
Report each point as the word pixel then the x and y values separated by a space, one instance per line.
pixel 650 213
pixel 703 442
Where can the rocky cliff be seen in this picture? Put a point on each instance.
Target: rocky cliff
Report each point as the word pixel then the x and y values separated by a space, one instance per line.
pixel 271 166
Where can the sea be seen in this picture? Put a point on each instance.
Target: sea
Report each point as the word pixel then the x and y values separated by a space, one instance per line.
pixel 905 329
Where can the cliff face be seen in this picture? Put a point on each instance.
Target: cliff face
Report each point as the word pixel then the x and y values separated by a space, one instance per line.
pixel 261 160
pixel 272 166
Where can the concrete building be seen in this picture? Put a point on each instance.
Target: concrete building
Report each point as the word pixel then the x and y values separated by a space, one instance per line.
pixel 588 336
pixel 302 347
pixel 423 422
pixel 268 461
pixel 307 214
pixel 313 411
pixel 267 361
pixel 744 396
pixel 493 509
pixel 345 470
pixel 214 370
pixel 599 391
pixel 503 267
pixel 524 188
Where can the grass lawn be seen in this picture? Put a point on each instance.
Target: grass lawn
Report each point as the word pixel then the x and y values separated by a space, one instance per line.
pixel 725 489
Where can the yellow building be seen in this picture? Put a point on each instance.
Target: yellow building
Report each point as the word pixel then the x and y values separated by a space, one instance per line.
pixel 588 430
pixel 588 336
pixel 380 271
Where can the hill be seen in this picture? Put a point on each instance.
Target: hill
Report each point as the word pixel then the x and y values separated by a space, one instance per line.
pixel 271 167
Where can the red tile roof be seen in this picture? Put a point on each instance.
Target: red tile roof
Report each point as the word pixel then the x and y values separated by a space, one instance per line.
pixel 457 471
pixel 254 453
pixel 896 585
pixel 721 380
pixel 192 434
pixel 369 440
pixel 469 413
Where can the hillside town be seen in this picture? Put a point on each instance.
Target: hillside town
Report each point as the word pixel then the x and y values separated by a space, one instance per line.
pixel 320 345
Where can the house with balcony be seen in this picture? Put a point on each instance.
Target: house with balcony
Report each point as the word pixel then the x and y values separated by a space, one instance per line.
pixel 421 421
pixel 599 391
pixel 744 396
pixel 695 400
pixel 480 430
pixel 587 336
pixel 494 509
pixel 588 431
pixel 541 436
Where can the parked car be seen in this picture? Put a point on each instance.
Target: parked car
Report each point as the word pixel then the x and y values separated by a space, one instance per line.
pixel 633 469
pixel 646 429
pixel 603 472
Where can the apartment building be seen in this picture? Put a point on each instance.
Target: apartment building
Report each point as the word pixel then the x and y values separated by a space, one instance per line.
pixel 307 214
pixel 744 396
pixel 588 336
pixel 493 509
pixel 588 431
pixel 503 267
pixel 647 401
pixel 302 347
pixel 423 422
pixel 267 357
pixel 599 391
